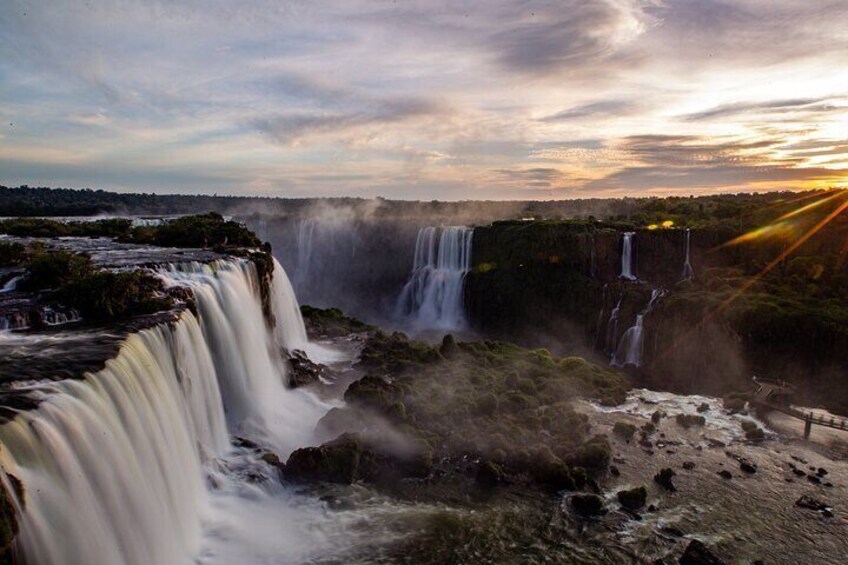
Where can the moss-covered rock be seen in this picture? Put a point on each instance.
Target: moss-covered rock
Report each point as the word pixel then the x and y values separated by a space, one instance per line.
pixel 336 461
pixel 687 421
pixel 331 322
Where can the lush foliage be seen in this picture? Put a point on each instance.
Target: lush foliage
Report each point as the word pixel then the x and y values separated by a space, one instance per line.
pixel 508 405
pixel 53 269
pixel 204 230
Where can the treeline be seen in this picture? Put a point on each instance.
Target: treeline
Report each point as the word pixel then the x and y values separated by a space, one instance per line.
pixel 732 211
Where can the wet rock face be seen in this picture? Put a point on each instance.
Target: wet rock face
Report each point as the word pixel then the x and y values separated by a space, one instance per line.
pixel 8 517
pixel 633 499
pixel 304 371
pixel 699 554
pixel 663 478
pixel 588 505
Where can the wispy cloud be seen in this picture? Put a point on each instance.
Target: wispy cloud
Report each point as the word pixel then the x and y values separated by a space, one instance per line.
pixel 424 98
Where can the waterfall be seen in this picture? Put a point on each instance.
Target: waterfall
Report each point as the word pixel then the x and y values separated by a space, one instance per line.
pixel 629 351
pixel 114 466
pixel 433 296
pixel 290 330
pixel 303 237
pixel 688 271
pixel 11 284
pixel 612 326
pixel 627 256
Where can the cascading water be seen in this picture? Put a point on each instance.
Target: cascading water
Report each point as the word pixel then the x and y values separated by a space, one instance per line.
pixel 632 345
pixel 627 256
pixel 114 466
pixel 11 284
pixel 303 237
pixel 433 296
pixel 688 271
pixel 290 330
pixel 612 327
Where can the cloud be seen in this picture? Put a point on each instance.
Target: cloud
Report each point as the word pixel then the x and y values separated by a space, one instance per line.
pixel 538 176
pixel 290 128
pixel 692 163
pixel 422 97
pixel 604 108
pixel 804 105
pixel 566 35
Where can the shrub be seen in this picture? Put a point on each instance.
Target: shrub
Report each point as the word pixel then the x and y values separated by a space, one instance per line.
pixel 624 430
pixel 11 253
pixel 686 421
pixel 55 268
pixel 106 295
pixel 593 455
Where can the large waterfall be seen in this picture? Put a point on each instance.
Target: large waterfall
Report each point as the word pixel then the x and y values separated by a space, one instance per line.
pixel 433 296
pixel 627 256
pixel 122 466
pixel 632 345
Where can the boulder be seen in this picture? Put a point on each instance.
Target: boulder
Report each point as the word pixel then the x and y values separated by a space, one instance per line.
pixel 807 501
pixel 588 505
pixel 304 371
pixel 699 554
pixel 747 466
pixel 336 461
pixel 633 499
pixel 663 478
pixel 686 421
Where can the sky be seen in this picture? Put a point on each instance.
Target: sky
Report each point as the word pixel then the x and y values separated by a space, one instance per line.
pixel 430 99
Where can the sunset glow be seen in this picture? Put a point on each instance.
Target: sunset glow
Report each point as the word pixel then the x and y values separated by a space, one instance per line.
pixel 530 100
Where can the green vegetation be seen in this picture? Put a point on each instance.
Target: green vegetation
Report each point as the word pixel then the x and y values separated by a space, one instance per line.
pixel 37 227
pixel 11 253
pixel 624 430
pixel 105 295
pixel 507 406
pixel 72 280
pixel 204 230
pixel 331 322
pixel 53 269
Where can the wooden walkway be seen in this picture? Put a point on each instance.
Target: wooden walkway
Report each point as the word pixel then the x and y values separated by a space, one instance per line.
pixel 776 395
